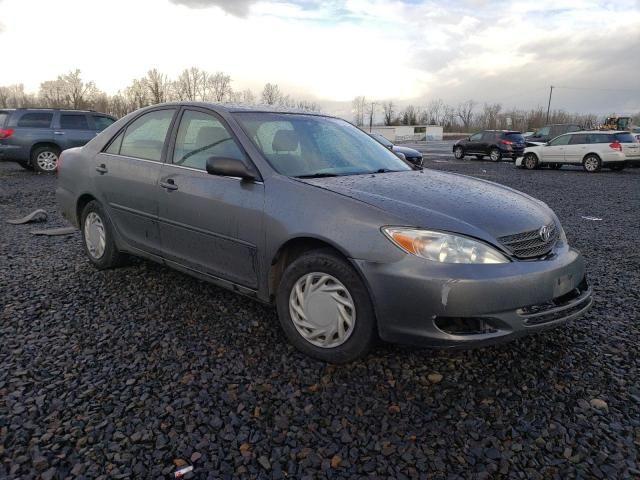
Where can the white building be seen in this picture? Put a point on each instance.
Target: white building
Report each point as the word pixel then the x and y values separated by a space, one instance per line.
pixel 402 133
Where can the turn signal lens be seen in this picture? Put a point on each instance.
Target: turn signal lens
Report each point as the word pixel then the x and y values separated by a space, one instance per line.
pixel 443 247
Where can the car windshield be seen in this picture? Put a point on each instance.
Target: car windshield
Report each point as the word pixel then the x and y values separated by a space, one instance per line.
pixel 299 145
pixel 382 140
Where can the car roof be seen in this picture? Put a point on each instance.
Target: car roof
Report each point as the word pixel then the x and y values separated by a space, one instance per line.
pixel 45 109
pixel 591 132
pixel 238 107
pixel 503 131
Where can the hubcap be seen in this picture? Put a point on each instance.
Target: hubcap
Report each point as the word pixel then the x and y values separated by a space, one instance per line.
pixel 322 310
pixel 458 152
pixel 94 235
pixel 530 162
pixel 494 155
pixel 591 164
pixel 47 161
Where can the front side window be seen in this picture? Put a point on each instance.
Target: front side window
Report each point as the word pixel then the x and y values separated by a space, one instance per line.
pixel 476 137
pixel 36 120
pixel 145 136
pixel 561 140
pixel 74 122
pixel 201 136
pixel 310 145
pixel 100 122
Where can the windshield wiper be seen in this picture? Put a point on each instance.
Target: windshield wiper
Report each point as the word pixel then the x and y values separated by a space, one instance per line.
pixel 317 175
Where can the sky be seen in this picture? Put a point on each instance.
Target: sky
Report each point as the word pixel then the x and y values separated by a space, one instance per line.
pixel 330 51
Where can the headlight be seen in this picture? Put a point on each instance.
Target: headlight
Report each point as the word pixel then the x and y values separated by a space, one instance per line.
pixel 443 247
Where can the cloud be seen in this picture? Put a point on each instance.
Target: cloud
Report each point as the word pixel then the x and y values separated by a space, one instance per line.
pixel 239 8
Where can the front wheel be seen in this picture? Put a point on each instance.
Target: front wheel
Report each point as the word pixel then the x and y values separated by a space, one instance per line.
pixel 458 152
pixel 495 155
pixel 592 163
pixel 45 159
pixel 530 161
pixel 97 236
pixel 324 308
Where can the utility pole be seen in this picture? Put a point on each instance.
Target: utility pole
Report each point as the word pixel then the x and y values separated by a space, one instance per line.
pixel 549 105
pixel 371 117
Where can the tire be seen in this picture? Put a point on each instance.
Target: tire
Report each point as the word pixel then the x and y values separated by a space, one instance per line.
pixel 480 157
pixel 617 168
pixel 592 163
pixel 45 159
pixel 458 152
pixel 313 272
pixel 102 253
pixel 495 154
pixel 530 161
pixel 555 166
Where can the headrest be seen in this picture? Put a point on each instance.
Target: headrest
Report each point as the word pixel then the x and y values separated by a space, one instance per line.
pixel 209 135
pixel 285 141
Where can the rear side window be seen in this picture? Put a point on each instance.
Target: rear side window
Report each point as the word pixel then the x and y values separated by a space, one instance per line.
pixel 543 132
pixel 145 136
pixel 514 137
pixel 74 122
pixel 601 138
pixel 3 118
pixel 621 137
pixel 488 136
pixel 35 120
pixel 101 122
pixel 579 139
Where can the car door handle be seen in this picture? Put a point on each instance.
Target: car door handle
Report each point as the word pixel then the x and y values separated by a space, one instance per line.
pixel 101 169
pixel 58 133
pixel 169 184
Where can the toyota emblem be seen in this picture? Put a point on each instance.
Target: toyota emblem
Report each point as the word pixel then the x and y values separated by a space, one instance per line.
pixel 544 233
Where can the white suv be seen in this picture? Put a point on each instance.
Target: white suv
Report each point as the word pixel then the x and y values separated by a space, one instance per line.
pixel 593 150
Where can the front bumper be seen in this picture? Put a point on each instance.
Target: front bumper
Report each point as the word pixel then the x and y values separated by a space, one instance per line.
pixel 424 303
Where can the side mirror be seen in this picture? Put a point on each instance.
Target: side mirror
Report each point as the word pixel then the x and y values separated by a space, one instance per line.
pixel 229 167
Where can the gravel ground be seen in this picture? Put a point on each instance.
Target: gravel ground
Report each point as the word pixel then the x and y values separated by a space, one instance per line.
pixel 128 373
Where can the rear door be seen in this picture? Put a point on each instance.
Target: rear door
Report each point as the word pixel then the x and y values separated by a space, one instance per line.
pixel 488 139
pixel 127 172
pixel 554 151
pixel 30 128
pixel 577 148
pixel 208 223
pixel 72 130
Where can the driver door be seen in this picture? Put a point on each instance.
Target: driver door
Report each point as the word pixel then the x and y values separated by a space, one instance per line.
pixel 554 151
pixel 209 224
pixel 473 144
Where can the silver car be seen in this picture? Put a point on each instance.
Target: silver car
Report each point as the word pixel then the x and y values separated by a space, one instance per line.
pixel 308 213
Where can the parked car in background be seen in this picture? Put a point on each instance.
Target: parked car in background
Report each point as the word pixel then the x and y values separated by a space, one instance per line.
pixel 549 132
pixel 495 144
pixel 34 137
pixel 308 213
pixel 410 154
pixel 592 149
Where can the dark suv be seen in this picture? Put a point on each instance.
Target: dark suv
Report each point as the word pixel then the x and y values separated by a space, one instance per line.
pixel 549 132
pixel 34 137
pixel 493 143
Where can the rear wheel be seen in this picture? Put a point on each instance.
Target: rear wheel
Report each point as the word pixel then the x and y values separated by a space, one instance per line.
pixel 45 159
pixel 530 161
pixel 592 163
pixel 324 308
pixel 458 152
pixel 97 236
pixel 495 155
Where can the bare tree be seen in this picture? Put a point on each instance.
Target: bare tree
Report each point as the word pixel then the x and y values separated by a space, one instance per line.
pixel 271 94
pixel 14 96
pixel 137 95
pixel 218 87
pixel 490 114
pixel 248 97
pixel 434 111
pixel 158 86
pixel 53 93
pixel 410 115
pixel 465 113
pixel 359 105
pixel 190 85
pixel 80 94
pixel 388 108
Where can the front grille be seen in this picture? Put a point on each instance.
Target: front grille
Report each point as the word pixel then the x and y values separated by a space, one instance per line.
pixel 530 244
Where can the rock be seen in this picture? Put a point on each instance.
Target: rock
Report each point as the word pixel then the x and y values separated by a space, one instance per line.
pixel 434 377
pixel 195 456
pixel 599 404
pixel 264 462
pixel 336 460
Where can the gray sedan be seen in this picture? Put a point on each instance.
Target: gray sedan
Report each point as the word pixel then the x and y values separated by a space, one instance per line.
pixel 309 213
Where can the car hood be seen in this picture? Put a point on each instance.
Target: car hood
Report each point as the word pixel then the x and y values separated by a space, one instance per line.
pixel 409 152
pixel 444 201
